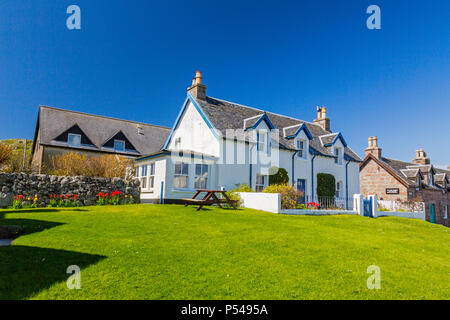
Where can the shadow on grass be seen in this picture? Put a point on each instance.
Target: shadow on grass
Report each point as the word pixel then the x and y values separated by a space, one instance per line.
pixel 25 271
pixel 29 226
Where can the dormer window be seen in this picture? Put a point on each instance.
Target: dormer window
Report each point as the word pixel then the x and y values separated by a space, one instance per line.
pixel 119 145
pixel 74 140
pixel 263 142
pixel 177 143
pixel 338 155
pixel 430 179
pixel 301 147
pixel 417 181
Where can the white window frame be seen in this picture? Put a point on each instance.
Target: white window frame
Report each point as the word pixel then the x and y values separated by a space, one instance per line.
pixel 430 179
pixel 151 176
pixel 201 180
pixel 338 153
pixel 142 173
pixel 182 174
pixel 261 143
pixel 121 141
pixel 178 143
pixel 258 186
pixel 301 151
pixel 339 185
pixel 73 135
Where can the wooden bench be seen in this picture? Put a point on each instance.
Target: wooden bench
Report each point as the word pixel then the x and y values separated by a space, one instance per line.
pixel 210 198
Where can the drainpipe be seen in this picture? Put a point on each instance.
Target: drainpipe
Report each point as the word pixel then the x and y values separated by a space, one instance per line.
pixel 346 184
pixel 250 164
pixel 312 177
pixel 293 168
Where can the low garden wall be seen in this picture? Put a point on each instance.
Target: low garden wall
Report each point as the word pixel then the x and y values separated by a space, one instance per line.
pixel 270 202
pixel 401 214
pixel 44 186
pixel 316 212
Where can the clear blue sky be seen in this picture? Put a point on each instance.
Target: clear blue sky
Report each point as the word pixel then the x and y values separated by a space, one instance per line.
pixel 134 60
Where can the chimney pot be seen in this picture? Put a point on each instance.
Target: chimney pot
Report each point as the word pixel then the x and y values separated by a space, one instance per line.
pixel 373 148
pixel 322 119
pixel 197 90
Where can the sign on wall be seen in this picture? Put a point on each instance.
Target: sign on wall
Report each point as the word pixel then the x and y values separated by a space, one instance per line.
pixel 392 191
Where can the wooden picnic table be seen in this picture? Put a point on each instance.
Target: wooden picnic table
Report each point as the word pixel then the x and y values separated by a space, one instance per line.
pixel 210 198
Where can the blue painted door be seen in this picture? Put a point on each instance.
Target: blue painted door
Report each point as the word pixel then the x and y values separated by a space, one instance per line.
pixel 432 214
pixel 368 207
pixel 301 186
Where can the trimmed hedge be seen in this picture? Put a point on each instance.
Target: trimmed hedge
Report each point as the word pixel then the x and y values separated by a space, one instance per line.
pixel 326 185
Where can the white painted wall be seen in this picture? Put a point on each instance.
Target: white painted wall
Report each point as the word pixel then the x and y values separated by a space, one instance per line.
pixel 195 134
pixel 410 215
pixel 270 202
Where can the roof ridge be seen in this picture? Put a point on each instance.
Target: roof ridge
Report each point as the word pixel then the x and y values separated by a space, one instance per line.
pixel 277 114
pixel 104 117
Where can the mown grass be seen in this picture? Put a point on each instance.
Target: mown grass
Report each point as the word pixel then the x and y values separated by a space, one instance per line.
pixel 172 252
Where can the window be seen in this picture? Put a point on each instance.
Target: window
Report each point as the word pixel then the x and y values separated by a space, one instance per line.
pixel 417 181
pixel 74 140
pixel 430 178
pixel 119 145
pixel 151 177
pixel 143 176
pixel 338 189
pixel 260 183
pixel 177 143
pixel 301 149
pixel 261 138
pixel 445 212
pixel 338 154
pixel 201 176
pixel 181 175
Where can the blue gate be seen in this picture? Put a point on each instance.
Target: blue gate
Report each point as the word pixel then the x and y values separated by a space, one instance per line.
pixel 368 208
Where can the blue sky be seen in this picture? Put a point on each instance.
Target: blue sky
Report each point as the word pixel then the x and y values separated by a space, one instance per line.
pixel 134 60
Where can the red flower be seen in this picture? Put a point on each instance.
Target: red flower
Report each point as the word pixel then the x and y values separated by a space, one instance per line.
pixel 75 196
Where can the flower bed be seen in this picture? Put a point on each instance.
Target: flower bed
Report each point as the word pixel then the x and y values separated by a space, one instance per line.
pixel 114 198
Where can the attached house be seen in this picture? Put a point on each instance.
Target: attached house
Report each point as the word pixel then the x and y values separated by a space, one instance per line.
pixel 216 144
pixel 402 181
pixel 61 131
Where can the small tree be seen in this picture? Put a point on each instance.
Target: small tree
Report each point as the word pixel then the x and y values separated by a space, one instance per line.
pixel 326 185
pixel 278 176
pixel 5 153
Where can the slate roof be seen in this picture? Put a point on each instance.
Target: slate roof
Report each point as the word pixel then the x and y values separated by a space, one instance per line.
pixel 226 115
pixel 407 170
pixel 52 122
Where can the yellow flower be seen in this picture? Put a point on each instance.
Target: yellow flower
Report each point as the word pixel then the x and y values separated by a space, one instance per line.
pixel 28 199
pixel 126 196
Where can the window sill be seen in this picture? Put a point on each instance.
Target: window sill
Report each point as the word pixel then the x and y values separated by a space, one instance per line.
pixel 148 191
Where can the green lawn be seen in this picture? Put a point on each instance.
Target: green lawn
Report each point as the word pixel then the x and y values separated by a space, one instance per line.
pixel 172 252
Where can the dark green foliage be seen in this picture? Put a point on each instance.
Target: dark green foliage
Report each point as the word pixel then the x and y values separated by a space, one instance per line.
pixel 326 185
pixel 279 176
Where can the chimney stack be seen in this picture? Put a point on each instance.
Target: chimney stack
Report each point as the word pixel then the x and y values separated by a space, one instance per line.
pixel 421 157
pixel 197 89
pixel 322 119
pixel 373 148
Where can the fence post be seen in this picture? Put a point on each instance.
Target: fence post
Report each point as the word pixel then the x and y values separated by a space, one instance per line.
pixel 374 199
pixel 358 204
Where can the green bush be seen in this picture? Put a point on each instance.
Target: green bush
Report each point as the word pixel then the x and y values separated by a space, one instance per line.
pixel 289 195
pixel 233 194
pixel 326 185
pixel 278 176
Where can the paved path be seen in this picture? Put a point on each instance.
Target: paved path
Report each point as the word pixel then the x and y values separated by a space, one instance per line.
pixel 6 242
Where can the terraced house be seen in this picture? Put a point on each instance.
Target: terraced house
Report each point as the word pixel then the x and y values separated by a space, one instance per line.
pixel 218 144
pixel 397 180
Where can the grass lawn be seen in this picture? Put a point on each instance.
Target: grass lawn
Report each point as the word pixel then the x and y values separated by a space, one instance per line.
pixel 172 252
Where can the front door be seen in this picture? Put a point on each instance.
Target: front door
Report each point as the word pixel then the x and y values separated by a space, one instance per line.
pixel 301 186
pixel 432 214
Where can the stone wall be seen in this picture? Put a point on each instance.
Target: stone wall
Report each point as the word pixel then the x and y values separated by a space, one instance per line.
pixel 44 186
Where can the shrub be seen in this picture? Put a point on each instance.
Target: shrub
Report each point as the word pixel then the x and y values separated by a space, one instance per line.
pixel 5 153
pixel 326 185
pixel 233 194
pixel 74 164
pixel 278 176
pixel 289 195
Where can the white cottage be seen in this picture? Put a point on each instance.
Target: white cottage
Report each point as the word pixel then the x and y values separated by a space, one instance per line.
pixel 216 144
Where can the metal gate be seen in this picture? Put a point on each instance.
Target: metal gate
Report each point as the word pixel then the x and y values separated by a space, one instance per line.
pixel 368 208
